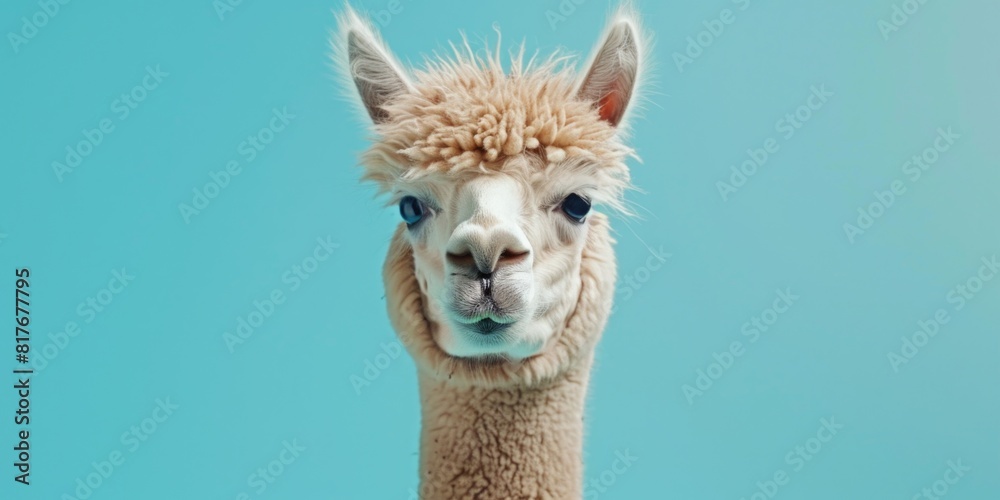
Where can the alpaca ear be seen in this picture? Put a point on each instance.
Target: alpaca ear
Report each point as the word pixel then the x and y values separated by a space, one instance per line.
pixel 370 65
pixel 613 71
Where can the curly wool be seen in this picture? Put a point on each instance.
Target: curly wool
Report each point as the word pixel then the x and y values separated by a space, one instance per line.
pixel 466 114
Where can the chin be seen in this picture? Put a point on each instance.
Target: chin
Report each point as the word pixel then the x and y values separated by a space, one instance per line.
pixel 513 341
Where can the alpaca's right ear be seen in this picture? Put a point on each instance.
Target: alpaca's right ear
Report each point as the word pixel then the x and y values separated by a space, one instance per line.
pixel 365 60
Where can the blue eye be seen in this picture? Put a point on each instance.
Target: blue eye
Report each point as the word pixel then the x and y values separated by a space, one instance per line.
pixel 576 207
pixel 411 210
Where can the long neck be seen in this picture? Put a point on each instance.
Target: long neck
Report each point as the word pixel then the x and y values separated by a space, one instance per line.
pixel 513 431
pixel 502 443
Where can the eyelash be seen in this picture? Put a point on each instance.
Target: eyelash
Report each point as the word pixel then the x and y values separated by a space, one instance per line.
pixel 553 203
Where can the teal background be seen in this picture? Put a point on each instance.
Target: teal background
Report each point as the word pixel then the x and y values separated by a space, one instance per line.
pixel 827 356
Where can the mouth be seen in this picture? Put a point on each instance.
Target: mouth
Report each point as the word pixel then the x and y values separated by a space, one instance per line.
pixel 485 324
pixel 488 326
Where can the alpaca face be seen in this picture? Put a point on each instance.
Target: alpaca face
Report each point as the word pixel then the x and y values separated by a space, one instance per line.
pixel 497 255
pixel 494 175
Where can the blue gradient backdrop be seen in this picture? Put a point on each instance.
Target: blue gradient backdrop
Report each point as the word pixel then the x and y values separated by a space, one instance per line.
pixel 834 354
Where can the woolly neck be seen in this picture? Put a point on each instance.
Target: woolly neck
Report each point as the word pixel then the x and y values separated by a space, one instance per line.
pixel 502 429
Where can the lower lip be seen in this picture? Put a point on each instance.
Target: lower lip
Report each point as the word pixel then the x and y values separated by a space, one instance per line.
pixel 489 327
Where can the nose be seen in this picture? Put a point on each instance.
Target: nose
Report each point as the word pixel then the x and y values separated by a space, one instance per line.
pixel 480 252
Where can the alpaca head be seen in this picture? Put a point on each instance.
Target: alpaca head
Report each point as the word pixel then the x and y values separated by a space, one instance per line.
pixel 494 173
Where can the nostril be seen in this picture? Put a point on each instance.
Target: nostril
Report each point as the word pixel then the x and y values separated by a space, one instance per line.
pixel 464 259
pixel 482 265
pixel 511 257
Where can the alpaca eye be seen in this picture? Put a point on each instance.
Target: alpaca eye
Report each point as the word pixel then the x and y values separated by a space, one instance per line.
pixel 411 210
pixel 576 207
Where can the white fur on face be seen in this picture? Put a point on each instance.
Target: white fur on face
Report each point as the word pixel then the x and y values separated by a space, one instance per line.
pixel 490 218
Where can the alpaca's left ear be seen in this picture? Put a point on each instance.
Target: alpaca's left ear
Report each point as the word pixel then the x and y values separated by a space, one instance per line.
pixel 613 72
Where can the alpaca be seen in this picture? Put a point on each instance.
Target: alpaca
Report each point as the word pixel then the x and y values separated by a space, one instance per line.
pixel 500 278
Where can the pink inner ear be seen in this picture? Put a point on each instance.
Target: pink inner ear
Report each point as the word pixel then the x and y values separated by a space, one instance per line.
pixel 610 107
